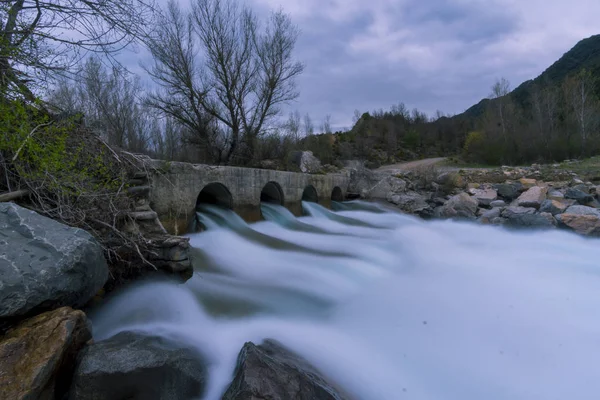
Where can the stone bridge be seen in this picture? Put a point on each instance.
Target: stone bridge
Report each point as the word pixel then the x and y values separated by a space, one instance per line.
pixel 176 189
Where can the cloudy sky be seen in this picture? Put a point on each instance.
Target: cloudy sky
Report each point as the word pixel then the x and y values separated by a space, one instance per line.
pixel 430 54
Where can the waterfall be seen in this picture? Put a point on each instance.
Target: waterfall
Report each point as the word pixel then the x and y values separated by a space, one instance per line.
pixel 386 305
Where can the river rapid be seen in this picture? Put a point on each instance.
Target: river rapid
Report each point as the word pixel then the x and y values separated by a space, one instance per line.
pixel 386 305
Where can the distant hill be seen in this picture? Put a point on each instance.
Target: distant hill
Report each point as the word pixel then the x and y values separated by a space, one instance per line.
pixel 584 55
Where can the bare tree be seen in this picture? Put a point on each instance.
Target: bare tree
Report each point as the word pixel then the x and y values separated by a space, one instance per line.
pixel 326 127
pixel 500 91
pixel 246 73
pixel 109 101
pixel 176 70
pixel 309 127
pixel 584 106
pixel 39 39
pixel 292 126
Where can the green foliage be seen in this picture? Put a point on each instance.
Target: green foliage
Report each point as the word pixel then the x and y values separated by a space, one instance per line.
pixel 43 152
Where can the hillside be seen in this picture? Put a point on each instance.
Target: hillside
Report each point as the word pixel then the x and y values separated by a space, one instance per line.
pixel 584 55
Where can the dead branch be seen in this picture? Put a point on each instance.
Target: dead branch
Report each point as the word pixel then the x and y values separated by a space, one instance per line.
pixel 17 194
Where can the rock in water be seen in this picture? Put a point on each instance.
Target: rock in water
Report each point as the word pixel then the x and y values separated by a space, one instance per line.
pixel 135 366
pixel 38 355
pixel 269 371
pixel 45 264
pixel 526 217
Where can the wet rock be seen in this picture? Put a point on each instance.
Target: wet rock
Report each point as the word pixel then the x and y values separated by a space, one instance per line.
pixel 485 196
pixel 38 355
pixel 584 224
pixel 525 217
pixel 460 206
pixel 269 371
pixel 555 206
pixel 135 366
pixel 45 264
pixel 532 197
pixel 488 216
pixel 579 196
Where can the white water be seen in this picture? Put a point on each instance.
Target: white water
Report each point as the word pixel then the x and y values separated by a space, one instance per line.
pixel 387 306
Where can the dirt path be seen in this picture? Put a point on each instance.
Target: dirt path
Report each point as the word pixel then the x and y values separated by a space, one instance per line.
pixel 411 165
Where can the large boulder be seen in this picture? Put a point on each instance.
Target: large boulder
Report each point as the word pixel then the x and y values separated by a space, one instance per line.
pixel 135 366
pixel 45 264
pixel 386 187
pixel 38 355
pixel 517 216
pixel 533 197
pixel 460 206
pixel 582 224
pixel 306 161
pixel 269 371
pixel 410 202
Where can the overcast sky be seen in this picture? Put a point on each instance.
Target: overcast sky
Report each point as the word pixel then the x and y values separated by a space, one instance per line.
pixel 430 54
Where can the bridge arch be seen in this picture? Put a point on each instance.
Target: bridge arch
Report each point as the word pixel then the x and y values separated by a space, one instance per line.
pixel 216 194
pixel 272 193
pixel 337 194
pixel 310 194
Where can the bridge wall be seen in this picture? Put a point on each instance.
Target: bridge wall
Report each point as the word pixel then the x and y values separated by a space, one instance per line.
pixel 175 187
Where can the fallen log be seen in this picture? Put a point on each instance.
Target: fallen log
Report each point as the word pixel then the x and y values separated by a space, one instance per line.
pixel 10 196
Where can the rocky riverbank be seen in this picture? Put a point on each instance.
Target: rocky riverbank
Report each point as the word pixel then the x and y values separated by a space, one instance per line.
pixel 541 197
pixel 49 271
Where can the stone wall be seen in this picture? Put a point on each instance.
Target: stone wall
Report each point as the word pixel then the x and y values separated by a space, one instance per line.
pixel 175 187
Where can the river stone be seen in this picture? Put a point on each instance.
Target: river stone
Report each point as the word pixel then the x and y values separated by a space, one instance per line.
pixel 582 210
pixel 525 217
pixel 460 206
pixel 555 195
pixel 386 187
pixel 508 191
pixel 485 196
pixel 498 204
pixel 584 224
pixel 136 366
pixel 45 264
pixel 410 202
pixel 555 206
pixel 532 197
pixel 39 353
pixel 527 183
pixel 579 196
pixel 269 371
pixel 489 215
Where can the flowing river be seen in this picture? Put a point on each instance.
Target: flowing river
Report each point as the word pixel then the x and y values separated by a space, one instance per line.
pixel 387 306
